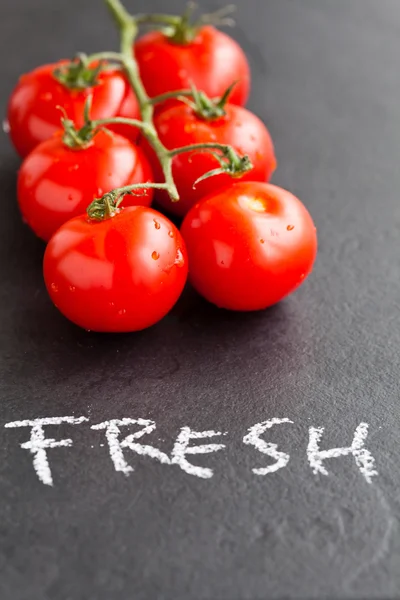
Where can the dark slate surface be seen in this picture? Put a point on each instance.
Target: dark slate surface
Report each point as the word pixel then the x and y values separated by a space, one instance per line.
pixel 326 81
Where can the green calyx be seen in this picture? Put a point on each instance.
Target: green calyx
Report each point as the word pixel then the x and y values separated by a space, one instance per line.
pixel 182 30
pixel 205 107
pixel 79 139
pixel 104 207
pixel 230 164
pixel 78 74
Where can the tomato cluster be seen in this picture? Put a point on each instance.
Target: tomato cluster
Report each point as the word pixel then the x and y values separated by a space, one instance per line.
pixel 91 132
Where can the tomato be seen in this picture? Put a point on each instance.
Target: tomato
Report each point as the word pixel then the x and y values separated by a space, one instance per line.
pixel 249 245
pixel 121 274
pixel 33 109
pixel 212 62
pixel 56 183
pixel 180 126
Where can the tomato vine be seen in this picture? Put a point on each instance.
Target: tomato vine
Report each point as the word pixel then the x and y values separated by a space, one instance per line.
pixel 229 160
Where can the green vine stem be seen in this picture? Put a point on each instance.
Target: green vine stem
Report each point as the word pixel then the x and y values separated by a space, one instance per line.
pixel 196 95
pixel 128 31
pixel 176 94
pixel 229 161
pixel 107 206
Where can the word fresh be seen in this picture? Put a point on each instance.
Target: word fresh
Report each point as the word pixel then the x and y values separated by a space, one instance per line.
pixel 121 441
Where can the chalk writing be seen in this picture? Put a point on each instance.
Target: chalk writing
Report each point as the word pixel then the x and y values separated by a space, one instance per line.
pixel 182 448
pixel 253 438
pixel 38 445
pixel 116 446
pixel 364 459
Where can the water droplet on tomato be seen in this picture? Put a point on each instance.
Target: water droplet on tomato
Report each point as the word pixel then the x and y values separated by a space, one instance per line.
pixel 155 255
pixel 6 126
pixel 122 311
pixel 302 276
pixel 156 224
pixel 54 287
pixel 72 288
pixel 99 192
pixel 47 96
pixel 73 167
pixel 171 234
pixel 111 304
pixel 179 262
pixel 290 227
pixel 213 137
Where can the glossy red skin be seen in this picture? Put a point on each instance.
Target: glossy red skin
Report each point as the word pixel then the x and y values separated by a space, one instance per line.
pixel 180 126
pixel 247 255
pixel 212 62
pixel 33 115
pixel 56 183
pixel 102 275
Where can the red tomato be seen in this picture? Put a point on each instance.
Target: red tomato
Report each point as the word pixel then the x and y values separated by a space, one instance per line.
pixel 212 62
pixel 56 183
pixel 249 245
pixel 180 126
pixel 121 274
pixel 33 113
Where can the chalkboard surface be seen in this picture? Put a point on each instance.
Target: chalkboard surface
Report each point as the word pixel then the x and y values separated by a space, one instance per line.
pixel 143 517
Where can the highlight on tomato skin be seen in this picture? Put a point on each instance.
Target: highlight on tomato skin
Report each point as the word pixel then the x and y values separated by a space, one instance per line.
pixel 33 112
pixel 180 126
pixel 249 245
pixel 121 274
pixel 211 62
pixel 57 183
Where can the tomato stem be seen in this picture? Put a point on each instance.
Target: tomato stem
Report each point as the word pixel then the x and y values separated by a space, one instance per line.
pixel 120 192
pixel 181 29
pixel 170 96
pixel 204 107
pixel 229 161
pixel 120 121
pixel 80 138
pixel 128 31
pixel 80 73
pixel 107 206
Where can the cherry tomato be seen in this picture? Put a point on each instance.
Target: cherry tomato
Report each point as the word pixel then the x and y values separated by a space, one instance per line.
pixel 121 274
pixel 249 245
pixel 33 109
pixel 212 62
pixel 56 183
pixel 180 126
